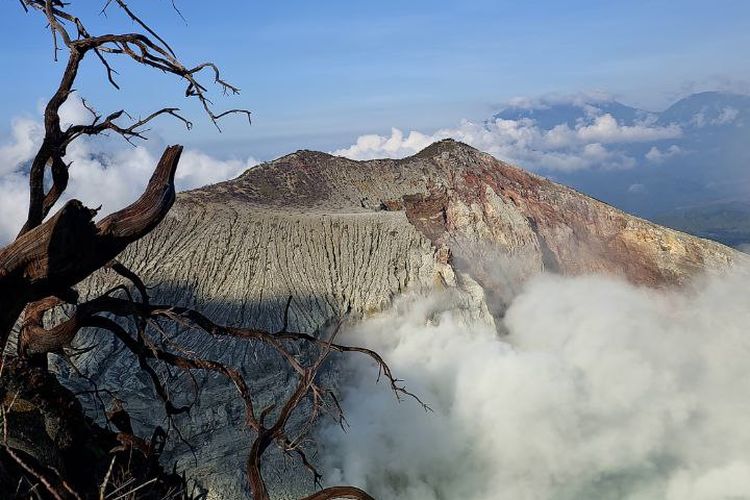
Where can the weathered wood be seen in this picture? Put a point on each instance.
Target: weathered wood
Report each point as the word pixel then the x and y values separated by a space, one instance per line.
pixel 51 258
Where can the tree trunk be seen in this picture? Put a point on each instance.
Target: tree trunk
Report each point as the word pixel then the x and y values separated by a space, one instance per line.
pixel 57 255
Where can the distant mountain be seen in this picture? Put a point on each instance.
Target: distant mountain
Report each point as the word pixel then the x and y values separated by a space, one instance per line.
pixel 708 108
pixel 548 115
pixel 673 180
pixel 728 222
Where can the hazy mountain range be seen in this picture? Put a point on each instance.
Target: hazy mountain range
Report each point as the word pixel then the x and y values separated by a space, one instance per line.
pixel 696 178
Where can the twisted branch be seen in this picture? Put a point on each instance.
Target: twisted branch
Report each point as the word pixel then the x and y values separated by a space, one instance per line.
pixel 98 313
pixel 148 49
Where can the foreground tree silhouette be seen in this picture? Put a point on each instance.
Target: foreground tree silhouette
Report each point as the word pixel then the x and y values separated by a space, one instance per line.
pixel 51 255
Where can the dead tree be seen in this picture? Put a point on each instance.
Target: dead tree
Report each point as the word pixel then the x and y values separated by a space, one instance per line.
pixel 52 254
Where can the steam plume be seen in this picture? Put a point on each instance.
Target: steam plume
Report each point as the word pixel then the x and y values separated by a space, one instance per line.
pixel 600 390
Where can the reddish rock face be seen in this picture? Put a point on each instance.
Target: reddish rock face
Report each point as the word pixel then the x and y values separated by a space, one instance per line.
pixel 475 205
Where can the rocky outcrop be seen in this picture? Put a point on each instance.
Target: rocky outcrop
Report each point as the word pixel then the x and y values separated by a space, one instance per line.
pixel 341 236
pixel 456 196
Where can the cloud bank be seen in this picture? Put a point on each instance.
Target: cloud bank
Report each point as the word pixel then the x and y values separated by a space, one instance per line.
pixel 601 390
pixel 726 116
pixel 655 155
pixel 112 179
pixel 596 141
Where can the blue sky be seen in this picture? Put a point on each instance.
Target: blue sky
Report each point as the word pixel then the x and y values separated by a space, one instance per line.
pixel 318 74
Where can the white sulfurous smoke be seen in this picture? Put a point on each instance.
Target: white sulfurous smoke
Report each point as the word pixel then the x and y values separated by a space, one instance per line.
pixel 600 390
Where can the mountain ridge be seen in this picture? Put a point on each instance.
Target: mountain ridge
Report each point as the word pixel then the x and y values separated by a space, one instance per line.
pixel 318 181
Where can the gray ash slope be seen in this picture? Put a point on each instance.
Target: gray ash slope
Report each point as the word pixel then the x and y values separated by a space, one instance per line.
pixel 345 237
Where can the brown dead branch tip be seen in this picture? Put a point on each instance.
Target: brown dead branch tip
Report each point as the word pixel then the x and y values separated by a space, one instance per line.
pixel 40 269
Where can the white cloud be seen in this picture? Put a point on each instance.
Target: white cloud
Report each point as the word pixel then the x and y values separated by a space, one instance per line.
pixel 26 135
pixel 600 390
pixel 14 202
pixel 590 144
pixel 725 116
pixel 395 146
pixel 582 100
pixel 699 120
pixel 605 129
pixel 655 155
pixel 112 179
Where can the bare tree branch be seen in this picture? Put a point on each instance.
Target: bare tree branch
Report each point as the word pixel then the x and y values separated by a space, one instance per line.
pixel 51 255
pixel 148 49
pixel 51 258
pixel 92 314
